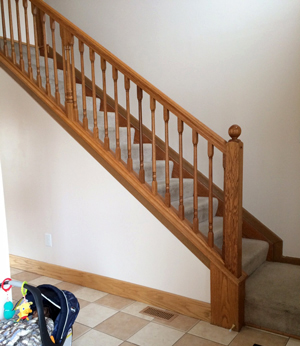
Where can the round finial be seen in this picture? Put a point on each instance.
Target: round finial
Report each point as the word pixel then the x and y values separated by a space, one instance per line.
pixel 234 132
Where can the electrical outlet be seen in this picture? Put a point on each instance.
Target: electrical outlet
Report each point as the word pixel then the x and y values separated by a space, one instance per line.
pixel 48 239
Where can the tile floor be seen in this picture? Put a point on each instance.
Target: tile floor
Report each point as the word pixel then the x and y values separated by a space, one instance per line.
pixel 108 320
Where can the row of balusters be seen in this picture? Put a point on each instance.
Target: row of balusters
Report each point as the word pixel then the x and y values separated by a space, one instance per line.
pixel 71 108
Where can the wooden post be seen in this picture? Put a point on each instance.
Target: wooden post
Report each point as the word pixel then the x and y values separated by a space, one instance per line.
pixel 233 191
pixel 67 41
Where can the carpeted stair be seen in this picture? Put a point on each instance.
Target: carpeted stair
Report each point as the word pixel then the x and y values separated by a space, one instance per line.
pixel 270 294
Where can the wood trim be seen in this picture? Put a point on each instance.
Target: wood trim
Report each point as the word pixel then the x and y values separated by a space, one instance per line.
pixel 227 299
pixel 183 305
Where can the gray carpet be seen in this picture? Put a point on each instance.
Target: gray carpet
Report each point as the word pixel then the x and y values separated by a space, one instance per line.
pixel 273 297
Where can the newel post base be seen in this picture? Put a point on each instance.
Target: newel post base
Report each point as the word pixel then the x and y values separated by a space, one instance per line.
pixel 227 299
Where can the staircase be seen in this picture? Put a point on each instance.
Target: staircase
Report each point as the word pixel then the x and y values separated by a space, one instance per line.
pixel 185 201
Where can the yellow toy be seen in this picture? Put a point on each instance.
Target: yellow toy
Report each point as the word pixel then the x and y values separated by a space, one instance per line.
pixel 25 310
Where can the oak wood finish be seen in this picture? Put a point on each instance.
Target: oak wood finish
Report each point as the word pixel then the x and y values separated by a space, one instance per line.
pixel 129 158
pixel 141 147
pixel 195 219
pixel 183 305
pixel 67 39
pixel 227 299
pixel 181 206
pixel 11 29
pixel 95 130
pixel 37 59
pixel 167 193
pixel 210 152
pixel 233 190
pixel 4 28
pixel 19 35
pixel 154 181
pixel 57 94
pixel 25 5
pixel 48 88
pixel 84 120
pixel 103 68
pixel 116 106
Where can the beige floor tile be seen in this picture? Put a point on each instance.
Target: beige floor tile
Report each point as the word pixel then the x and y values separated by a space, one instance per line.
pixel 249 336
pixel 93 314
pixel 43 280
pixel 83 303
pixel 79 330
pixel 14 271
pixel 126 343
pixel 181 322
pixel 25 276
pixel 213 333
pixel 94 338
pixel 67 286
pixel 293 342
pixel 135 308
pixel 115 302
pixel 89 294
pixel 121 325
pixel 156 335
pixel 192 340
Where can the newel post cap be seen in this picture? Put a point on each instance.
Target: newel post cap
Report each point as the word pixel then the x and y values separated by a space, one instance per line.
pixel 234 132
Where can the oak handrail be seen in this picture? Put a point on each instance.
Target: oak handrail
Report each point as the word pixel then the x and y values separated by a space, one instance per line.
pixel 159 96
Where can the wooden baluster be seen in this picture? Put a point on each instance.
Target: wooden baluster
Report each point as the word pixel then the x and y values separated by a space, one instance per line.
pixel 141 147
pixel 233 193
pixel 92 58
pixel 115 78
pixel 66 39
pixel 73 79
pixel 106 138
pixel 167 194
pixel 154 181
pixel 64 67
pixel 85 119
pixel 4 28
pixel 13 52
pixel 210 151
pixel 37 55
pixel 48 88
pixel 57 95
pixel 196 219
pixel 25 5
pixel 129 159
pixel 19 36
pixel 181 206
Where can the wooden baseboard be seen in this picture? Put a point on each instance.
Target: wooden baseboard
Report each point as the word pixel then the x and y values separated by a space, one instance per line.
pixel 186 306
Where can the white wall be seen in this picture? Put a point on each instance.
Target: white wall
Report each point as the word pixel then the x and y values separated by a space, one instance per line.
pixel 4 254
pixel 226 62
pixel 53 186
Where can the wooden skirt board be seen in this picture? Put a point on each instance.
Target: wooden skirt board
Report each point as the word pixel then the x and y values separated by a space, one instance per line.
pixel 182 305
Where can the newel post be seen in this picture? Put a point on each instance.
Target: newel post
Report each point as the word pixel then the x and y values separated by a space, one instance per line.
pixel 67 41
pixel 228 283
pixel 233 194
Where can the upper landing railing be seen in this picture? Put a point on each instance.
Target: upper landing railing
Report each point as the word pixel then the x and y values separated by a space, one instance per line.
pixel 32 31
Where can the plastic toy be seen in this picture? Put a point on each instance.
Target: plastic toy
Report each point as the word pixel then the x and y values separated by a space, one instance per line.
pixel 25 310
pixel 8 306
pixel 9 311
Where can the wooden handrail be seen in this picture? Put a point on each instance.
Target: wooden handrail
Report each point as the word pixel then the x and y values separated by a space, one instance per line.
pixel 159 96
